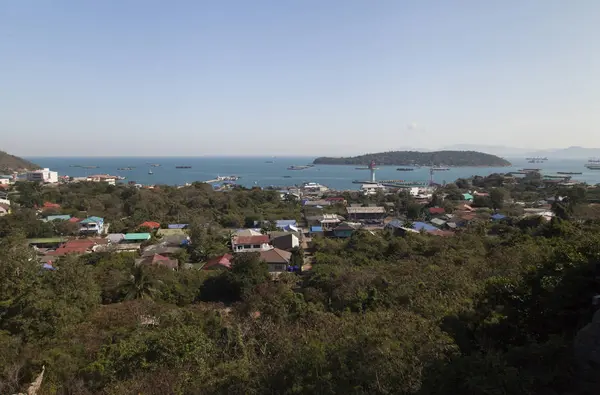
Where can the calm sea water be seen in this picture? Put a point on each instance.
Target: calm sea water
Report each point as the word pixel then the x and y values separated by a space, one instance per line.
pixel 256 170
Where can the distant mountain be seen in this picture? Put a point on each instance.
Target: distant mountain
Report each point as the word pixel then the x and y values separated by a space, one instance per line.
pixel 568 153
pixel 12 163
pixel 448 158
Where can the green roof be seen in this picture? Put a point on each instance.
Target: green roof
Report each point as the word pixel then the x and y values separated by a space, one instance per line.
pixel 47 240
pixel 137 236
pixel 467 196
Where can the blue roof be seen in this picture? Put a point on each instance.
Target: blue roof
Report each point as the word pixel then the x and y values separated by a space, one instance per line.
pixel 423 226
pixel 48 266
pixel 58 217
pixel 92 219
pixel 497 217
pixel 177 226
pixel 316 228
pixel 282 223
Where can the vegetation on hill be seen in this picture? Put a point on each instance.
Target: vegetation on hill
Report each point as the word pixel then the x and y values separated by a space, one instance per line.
pixel 10 163
pixel 377 314
pixel 447 158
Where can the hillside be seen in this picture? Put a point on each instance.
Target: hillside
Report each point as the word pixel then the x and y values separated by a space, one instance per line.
pixel 447 158
pixel 11 162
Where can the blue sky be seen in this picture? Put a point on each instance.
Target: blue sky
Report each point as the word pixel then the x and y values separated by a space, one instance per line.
pixel 298 77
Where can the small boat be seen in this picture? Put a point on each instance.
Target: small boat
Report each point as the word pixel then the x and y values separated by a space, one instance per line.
pixel 440 168
pixel 150 171
pixel 405 169
pixel 294 167
pixel 287 176
pixel 183 167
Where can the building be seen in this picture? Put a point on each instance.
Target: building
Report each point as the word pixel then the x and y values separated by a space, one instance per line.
pixel 44 175
pixel 376 213
pixel 135 237
pixel 286 242
pixel 345 229
pixel 150 225
pixel 250 243
pixel 277 260
pixel 372 189
pixel 220 262
pixel 329 221
pixel 4 209
pixel 91 225
pixel 4 181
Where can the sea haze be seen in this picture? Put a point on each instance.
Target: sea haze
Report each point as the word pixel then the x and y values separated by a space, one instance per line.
pixel 256 170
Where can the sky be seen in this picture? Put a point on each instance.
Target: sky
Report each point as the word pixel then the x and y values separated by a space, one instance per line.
pixel 298 77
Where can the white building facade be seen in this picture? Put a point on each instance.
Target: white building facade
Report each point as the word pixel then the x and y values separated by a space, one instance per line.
pixel 44 175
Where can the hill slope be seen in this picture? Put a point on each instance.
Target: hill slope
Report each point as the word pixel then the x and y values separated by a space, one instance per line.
pixel 11 162
pixel 448 158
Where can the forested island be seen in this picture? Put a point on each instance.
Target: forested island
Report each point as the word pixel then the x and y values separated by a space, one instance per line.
pixel 501 306
pixel 407 158
pixel 10 163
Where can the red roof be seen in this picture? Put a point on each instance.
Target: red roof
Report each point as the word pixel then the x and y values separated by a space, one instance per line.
pixel 51 205
pixel 436 210
pixel 150 224
pixel 74 219
pixel 261 239
pixel 223 260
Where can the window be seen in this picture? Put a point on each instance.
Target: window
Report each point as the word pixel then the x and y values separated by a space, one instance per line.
pixel 256 246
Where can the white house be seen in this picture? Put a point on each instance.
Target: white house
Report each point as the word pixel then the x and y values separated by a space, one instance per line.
pixel 250 243
pixel 4 181
pixel 371 189
pixel 44 175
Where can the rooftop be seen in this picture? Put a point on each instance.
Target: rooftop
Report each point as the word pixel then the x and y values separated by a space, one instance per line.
pixel 276 255
pixel 365 210
pixel 262 239
pixel 137 236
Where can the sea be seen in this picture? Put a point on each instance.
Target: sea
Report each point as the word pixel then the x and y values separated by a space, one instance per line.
pixel 272 171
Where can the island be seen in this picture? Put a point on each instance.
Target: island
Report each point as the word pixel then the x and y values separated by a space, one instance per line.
pixel 415 158
pixel 13 163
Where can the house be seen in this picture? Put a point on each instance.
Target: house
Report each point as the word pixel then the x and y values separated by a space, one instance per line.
pixel 50 206
pixel 92 225
pixel 395 226
pixel 250 243
pixel 436 211
pixel 115 238
pixel 51 218
pixel 124 247
pixel 248 232
pixel 286 242
pixel 149 225
pixel 438 222
pixel 468 197
pixel 482 194
pixel 372 189
pixel 315 230
pixel 159 260
pixel 4 209
pixel 43 175
pixel 136 237
pixel 345 229
pixel 316 203
pixel 375 213
pixel 220 262
pixel 277 260
pixel 329 221
pixel 336 200
pixel 77 246
pixel 177 226
pixel 284 224
pixel 47 242
pixel 422 226
pixel 161 249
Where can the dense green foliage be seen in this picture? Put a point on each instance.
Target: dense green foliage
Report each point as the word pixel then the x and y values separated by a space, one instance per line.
pixel 447 158
pixel 492 310
pixel 10 162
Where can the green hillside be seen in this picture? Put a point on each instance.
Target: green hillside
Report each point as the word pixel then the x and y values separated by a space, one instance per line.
pixel 447 158
pixel 10 163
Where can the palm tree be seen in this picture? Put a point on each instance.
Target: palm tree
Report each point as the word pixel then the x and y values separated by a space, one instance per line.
pixel 139 285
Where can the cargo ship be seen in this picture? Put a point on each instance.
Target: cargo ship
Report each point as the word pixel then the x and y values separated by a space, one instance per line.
pixel 183 167
pixel 593 164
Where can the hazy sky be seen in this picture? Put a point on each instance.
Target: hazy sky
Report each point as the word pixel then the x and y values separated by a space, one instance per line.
pixel 308 77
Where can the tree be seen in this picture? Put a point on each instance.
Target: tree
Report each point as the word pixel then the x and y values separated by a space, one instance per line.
pixel 497 196
pixel 139 285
